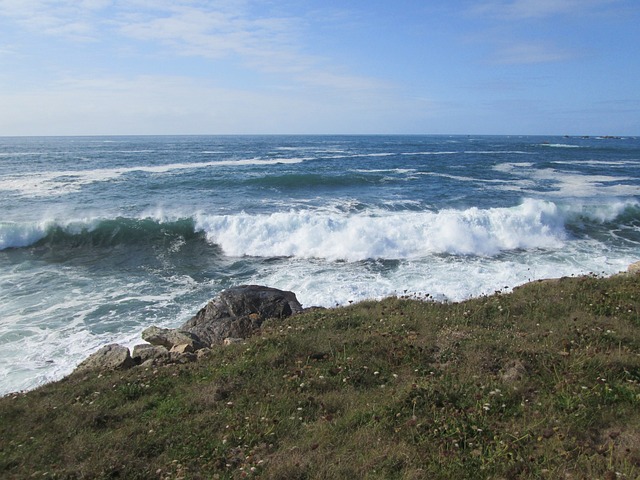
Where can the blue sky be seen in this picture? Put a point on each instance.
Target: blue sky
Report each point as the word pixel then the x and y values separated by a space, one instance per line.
pixel 83 67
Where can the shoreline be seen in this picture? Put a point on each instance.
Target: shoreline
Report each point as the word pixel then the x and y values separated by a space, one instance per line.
pixel 542 381
pixel 126 354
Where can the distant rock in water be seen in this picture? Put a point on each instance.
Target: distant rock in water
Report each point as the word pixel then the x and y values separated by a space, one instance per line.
pixel 238 311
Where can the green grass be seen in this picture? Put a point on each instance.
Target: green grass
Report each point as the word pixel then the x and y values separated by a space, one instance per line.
pixel 543 382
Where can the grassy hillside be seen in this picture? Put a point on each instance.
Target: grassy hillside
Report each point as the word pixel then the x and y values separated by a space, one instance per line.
pixel 543 382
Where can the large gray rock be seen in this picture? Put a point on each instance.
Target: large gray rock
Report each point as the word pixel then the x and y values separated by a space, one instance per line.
pixel 238 311
pixel 109 357
pixel 169 338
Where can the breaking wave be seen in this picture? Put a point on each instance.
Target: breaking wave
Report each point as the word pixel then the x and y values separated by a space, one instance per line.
pixel 95 233
pixel 348 236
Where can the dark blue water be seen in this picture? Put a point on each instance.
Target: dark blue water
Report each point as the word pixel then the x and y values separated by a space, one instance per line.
pixel 103 236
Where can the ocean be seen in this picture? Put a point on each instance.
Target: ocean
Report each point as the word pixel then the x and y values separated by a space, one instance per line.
pixel 101 237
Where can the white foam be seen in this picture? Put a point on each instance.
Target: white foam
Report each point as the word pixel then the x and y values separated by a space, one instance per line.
pixel 498 152
pixel 429 153
pixel 45 337
pixel 596 163
pixel 461 178
pixel 571 184
pixel 447 278
pixel 385 170
pixel 599 212
pixel 64 182
pixel 559 145
pixel 405 235
pixel 16 235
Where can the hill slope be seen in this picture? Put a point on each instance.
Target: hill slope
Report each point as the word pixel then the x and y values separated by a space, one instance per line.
pixel 542 382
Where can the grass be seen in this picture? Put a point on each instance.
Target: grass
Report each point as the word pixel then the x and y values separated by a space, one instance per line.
pixel 543 382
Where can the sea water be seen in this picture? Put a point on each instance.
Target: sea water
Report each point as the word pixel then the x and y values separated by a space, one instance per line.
pixel 101 237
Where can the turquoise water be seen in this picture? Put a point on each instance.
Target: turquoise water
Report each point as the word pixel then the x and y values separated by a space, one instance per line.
pixel 103 236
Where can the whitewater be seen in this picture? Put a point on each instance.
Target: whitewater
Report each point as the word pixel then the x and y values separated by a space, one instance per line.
pixel 101 237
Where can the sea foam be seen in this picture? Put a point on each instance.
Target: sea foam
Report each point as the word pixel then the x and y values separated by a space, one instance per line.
pixel 58 183
pixel 405 235
pixel 16 235
pixel 338 232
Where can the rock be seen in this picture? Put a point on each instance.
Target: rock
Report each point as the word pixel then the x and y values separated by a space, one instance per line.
pixel 182 348
pixel 153 353
pixel 238 311
pixel 109 357
pixel 634 268
pixel 245 300
pixel 169 338
pixel 230 317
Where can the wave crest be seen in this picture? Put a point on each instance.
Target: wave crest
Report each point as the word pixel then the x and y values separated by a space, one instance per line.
pixel 341 234
pixel 97 233
pixel 405 235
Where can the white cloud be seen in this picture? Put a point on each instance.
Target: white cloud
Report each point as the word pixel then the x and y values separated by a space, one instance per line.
pixel 214 30
pixel 68 19
pixel 272 45
pixel 206 32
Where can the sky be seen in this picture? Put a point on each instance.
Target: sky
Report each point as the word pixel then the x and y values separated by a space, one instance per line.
pixel 506 67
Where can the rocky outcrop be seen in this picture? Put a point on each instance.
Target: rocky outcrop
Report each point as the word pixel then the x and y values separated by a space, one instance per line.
pixel 233 315
pixel 239 311
pixel 109 357
pixel 634 268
